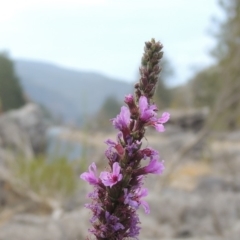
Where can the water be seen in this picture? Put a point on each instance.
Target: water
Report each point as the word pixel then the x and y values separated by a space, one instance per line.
pixel 62 148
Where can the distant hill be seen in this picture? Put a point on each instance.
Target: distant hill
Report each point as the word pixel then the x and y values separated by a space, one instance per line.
pixel 67 93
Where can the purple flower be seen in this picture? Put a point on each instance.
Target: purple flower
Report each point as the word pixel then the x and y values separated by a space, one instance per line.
pixel 99 230
pixel 154 166
pixel 134 228
pixel 132 146
pixel 119 148
pixel 111 155
pixel 165 117
pixel 147 112
pixel 110 143
pixel 118 191
pixel 91 175
pixel 110 179
pixel 121 122
pixel 149 152
pixel 96 209
pixel 113 221
pixel 149 116
pixel 133 108
pixel 93 195
pixel 129 99
pixel 134 199
pixel 137 182
pixel 158 123
pixel 128 198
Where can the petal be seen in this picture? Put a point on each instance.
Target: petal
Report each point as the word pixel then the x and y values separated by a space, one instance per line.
pixel 90 178
pixel 93 168
pixel 125 114
pixel 133 203
pixel 145 206
pixel 84 176
pixel 122 120
pixel 164 118
pixel 143 104
pixel 116 169
pixel 106 180
pixel 110 143
pixel 143 192
pixel 159 127
pixel 119 177
pixel 155 167
pixel 118 226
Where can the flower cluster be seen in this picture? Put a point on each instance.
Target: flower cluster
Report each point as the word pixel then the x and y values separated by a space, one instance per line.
pixel 118 192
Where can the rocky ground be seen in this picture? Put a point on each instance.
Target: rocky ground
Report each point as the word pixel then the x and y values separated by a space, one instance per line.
pixel 198 200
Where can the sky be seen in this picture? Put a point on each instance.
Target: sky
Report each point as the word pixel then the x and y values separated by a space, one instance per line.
pixel 107 36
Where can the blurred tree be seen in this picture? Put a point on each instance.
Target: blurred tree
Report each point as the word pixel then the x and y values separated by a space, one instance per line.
pixel 219 86
pixel 163 93
pixel 227 53
pixel 0 106
pixel 229 31
pixel 11 94
pixel 206 85
pixel 181 97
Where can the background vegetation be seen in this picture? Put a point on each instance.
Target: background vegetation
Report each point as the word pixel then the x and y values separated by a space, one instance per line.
pixel 11 93
pixel 47 178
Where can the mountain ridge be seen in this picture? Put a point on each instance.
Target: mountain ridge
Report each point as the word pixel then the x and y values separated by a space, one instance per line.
pixel 69 94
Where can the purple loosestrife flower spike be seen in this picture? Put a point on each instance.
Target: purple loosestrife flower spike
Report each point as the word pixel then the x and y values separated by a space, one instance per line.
pixel 118 192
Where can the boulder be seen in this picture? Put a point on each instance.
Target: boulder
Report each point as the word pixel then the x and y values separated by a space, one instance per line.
pixel 23 131
pixel 30 119
pixel 13 139
pixel 192 119
pixel 70 226
pixel 22 134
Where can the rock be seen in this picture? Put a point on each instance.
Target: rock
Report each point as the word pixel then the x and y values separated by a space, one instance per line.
pixel 13 138
pixel 22 134
pixel 23 131
pixel 192 119
pixel 71 226
pixel 212 184
pixel 208 211
pixel 31 119
pixel 175 215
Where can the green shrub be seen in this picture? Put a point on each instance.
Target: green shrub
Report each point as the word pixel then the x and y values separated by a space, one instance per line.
pixel 55 178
